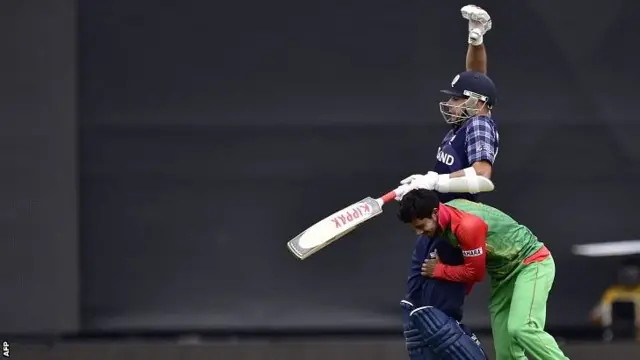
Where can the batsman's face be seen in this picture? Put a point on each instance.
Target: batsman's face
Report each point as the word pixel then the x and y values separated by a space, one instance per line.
pixel 427 226
pixel 455 105
pixel 453 110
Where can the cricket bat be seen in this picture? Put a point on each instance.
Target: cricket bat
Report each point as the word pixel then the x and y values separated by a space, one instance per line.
pixel 339 224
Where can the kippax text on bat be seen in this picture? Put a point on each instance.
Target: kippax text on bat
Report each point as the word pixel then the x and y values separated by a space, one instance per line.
pixel 351 214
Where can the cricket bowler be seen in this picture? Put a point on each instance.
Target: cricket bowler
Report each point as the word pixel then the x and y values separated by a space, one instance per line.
pixel 520 267
pixel 467 150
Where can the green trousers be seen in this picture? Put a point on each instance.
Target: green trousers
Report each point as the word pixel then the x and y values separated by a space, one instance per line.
pixel 518 308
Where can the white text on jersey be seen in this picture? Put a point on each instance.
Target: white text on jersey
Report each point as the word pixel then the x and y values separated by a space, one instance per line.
pixel 472 253
pixel 444 157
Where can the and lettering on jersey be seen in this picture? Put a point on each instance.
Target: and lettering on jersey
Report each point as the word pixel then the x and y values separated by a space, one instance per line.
pixel 475 140
pixel 445 158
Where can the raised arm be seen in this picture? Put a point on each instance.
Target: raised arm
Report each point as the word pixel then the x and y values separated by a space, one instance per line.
pixel 479 24
pixel 481 135
pixel 477 58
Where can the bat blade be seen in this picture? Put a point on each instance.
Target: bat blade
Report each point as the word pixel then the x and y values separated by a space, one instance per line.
pixel 333 227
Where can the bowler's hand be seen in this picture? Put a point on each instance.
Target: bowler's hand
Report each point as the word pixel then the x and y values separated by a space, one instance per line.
pixel 429 267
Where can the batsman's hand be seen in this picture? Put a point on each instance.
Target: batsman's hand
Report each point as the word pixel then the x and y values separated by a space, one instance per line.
pixel 479 23
pixel 429 267
pixel 402 190
pixel 427 181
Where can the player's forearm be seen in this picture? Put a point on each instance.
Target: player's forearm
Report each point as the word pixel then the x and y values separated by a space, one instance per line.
pixel 471 233
pixel 482 168
pixel 461 273
pixel 477 58
pixel 473 180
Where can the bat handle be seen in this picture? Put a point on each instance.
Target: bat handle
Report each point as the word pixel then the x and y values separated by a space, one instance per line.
pixel 391 195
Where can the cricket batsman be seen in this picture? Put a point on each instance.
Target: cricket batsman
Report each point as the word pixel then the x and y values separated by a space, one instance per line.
pixel 520 267
pixel 468 150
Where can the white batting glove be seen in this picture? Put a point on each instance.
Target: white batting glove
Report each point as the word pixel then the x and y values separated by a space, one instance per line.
pixel 479 23
pixel 410 179
pixel 402 190
pixel 427 181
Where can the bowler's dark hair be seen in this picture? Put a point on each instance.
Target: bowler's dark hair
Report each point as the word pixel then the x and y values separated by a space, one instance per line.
pixel 417 204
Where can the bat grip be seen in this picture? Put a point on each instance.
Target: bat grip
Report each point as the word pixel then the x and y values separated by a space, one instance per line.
pixel 391 195
pixel 388 197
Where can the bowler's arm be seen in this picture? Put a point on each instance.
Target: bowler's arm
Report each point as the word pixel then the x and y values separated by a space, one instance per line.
pixel 477 58
pixel 472 238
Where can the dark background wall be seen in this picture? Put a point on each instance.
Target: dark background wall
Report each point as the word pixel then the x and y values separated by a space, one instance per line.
pixel 38 181
pixel 211 133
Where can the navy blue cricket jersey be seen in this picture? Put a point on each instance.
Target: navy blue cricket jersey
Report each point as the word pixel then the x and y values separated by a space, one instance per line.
pixel 475 140
pixel 447 296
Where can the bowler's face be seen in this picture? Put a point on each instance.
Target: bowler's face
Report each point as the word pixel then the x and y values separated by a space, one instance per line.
pixel 426 226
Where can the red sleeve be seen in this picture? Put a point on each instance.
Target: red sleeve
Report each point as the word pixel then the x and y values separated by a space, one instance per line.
pixel 471 233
